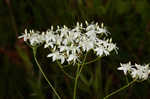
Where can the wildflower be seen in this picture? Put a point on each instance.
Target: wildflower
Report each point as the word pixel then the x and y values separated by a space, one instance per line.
pixel 57 56
pixel 101 51
pixel 68 44
pixel 136 71
pixel 54 55
pixel 26 36
pixel 125 67
pixel 142 71
pixel 86 44
pixel 72 57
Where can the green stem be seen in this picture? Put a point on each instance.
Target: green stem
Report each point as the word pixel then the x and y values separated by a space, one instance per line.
pixel 61 67
pixel 68 75
pixel 34 52
pixel 78 75
pixel 127 79
pixel 76 81
pixel 122 88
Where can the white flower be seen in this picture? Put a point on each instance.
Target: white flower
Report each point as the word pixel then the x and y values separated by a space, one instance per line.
pixel 142 71
pixel 57 56
pixel 26 36
pixel 62 58
pixel 101 51
pixel 49 44
pixel 54 55
pixel 136 71
pixel 50 36
pixel 101 30
pixel 91 34
pixel 35 39
pixel 90 27
pixel 74 49
pixel 58 40
pixel 63 48
pixel 125 67
pixel 68 43
pixel 63 31
pixel 72 57
pixel 86 44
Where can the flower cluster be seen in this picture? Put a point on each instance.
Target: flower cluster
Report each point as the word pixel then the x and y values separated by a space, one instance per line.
pixel 68 44
pixel 136 71
pixel 34 38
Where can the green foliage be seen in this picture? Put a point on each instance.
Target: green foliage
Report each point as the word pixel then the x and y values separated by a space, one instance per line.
pixel 127 20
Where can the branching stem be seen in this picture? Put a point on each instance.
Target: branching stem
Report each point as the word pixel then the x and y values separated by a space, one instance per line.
pixel 122 88
pixel 41 70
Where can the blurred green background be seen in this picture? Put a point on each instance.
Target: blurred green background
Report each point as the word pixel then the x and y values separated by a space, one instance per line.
pixel 127 20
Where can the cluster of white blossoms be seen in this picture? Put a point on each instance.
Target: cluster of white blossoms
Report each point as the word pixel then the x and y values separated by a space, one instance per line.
pixel 68 44
pixel 136 71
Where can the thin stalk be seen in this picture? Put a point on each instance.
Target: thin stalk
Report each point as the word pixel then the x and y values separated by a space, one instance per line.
pixel 83 63
pixel 78 75
pixel 76 81
pixel 127 79
pixel 34 52
pixel 122 88
pixel 101 80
